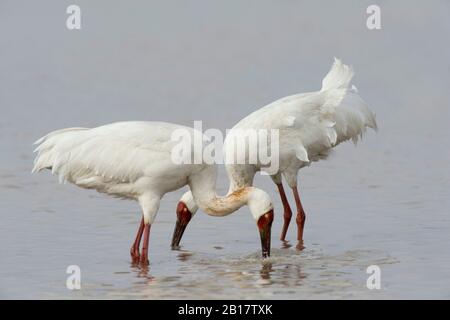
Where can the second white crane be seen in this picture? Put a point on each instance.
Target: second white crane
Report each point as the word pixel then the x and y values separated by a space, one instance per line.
pixel 310 125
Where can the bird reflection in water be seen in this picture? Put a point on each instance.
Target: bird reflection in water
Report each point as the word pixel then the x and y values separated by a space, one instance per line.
pixel 142 271
pixel 281 275
pixel 265 272
pixel 291 275
pixel 184 255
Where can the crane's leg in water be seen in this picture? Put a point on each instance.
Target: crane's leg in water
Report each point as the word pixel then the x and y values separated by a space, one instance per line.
pixel 144 253
pixel 301 216
pixel 287 211
pixel 134 251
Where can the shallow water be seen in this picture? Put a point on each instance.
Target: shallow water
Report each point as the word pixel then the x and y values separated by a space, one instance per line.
pixel 382 203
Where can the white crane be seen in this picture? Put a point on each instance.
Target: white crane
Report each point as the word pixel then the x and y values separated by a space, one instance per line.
pixel 132 160
pixel 310 125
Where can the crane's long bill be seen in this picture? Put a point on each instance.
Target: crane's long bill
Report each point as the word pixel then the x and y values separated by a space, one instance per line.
pixel 265 227
pixel 183 218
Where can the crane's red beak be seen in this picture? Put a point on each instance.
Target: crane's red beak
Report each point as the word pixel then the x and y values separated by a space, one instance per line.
pixel 265 226
pixel 183 218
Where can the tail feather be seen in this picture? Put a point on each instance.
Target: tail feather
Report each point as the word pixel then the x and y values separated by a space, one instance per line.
pixel 56 132
pixel 342 102
pixel 335 85
pixel 52 147
pixel 339 76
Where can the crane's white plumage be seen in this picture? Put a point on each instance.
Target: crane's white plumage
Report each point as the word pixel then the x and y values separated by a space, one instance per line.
pixel 114 158
pixel 133 160
pixel 309 124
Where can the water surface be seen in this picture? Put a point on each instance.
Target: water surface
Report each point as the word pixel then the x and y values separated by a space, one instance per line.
pixel 382 203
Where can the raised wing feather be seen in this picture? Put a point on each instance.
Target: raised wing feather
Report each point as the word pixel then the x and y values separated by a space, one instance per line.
pixel 119 152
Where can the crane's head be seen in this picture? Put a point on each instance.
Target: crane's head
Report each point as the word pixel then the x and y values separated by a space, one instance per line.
pixel 258 201
pixel 261 207
pixel 186 209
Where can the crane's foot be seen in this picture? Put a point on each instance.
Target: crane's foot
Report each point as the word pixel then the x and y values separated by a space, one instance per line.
pixel 285 244
pixel 144 262
pixel 134 254
pixel 300 246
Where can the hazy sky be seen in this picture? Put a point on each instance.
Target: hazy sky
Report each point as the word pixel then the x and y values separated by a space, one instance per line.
pixel 217 61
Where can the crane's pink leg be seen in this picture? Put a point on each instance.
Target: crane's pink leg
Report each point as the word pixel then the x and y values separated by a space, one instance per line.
pixel 287 211
pixel 144 253
pixel 134 251
pixel 301 216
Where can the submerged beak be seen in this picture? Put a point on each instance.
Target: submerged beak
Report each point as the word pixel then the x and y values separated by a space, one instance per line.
pixel 265 226
pixel 183 218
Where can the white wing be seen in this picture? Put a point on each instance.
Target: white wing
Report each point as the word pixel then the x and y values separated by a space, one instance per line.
pixel 105 157
pixel 302 122
pixel 312 123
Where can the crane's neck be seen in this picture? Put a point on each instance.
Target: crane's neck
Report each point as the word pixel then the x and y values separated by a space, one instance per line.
pixel 203 187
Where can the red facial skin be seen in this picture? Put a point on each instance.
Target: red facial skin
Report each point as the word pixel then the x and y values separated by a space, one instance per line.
pixel 183 213
pixel 265 220
pixel 265 226
pixel 183 218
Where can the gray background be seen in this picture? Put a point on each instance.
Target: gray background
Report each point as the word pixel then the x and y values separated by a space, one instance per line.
pixel 384 202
